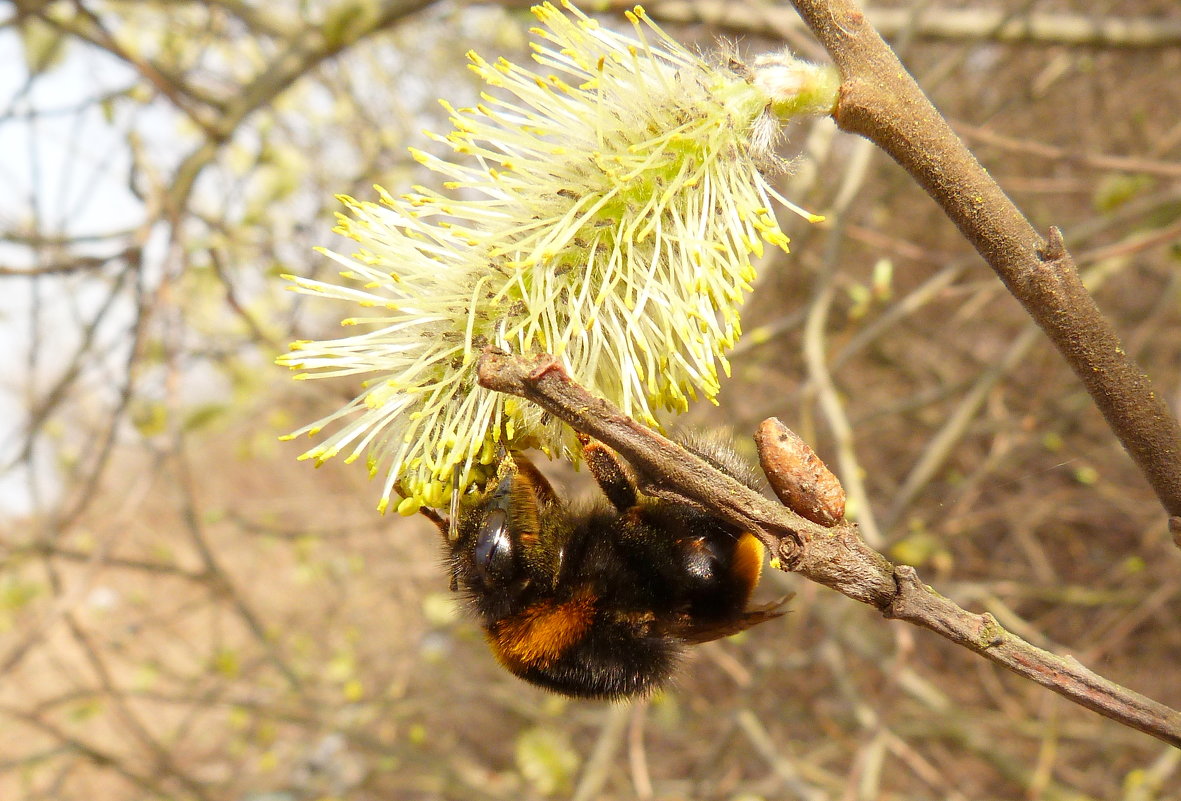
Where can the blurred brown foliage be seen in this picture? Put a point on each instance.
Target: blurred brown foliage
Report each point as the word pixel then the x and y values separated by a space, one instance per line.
pixel 187 612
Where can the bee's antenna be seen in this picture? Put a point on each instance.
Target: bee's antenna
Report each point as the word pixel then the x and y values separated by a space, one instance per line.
pixel 440 522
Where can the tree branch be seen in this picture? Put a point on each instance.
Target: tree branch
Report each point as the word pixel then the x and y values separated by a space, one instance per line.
pixel 881 101
pixel 835 556
pixel 939 24
pixel 931 23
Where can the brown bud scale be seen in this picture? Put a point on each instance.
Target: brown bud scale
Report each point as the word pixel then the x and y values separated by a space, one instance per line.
pixel 799 478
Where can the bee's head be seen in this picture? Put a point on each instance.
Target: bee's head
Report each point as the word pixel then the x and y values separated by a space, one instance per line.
pixel 509 535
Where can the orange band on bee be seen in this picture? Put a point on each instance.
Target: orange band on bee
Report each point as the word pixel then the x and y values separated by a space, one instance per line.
pixel 541 634
pixel 748 560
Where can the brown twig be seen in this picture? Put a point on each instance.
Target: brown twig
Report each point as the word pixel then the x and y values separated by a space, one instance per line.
pixel 882 102
pixel 836 556
pixel 1094 161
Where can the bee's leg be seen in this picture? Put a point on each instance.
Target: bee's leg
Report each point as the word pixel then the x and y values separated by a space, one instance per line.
pixel 610 474
pixel 531 478
pixel 441 523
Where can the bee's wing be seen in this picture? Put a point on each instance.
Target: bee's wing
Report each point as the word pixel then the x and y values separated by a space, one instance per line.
pixel 699 631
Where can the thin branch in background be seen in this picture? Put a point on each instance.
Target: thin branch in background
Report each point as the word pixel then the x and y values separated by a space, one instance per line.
pixel 219 579
pixel 163 758
pixel 942 445
pixel 87 26
pixel 89 472
pixel 1094 161
pixel 252 324
pixel 598 765
pixel 83 357
pixel 152 785
pixel 937 23
pixel 815 356
pixel 786 769
pixel 74 264
pixel 637 757
pixel 18 552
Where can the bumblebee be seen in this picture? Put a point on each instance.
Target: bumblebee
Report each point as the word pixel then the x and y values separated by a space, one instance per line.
pixel 600 600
